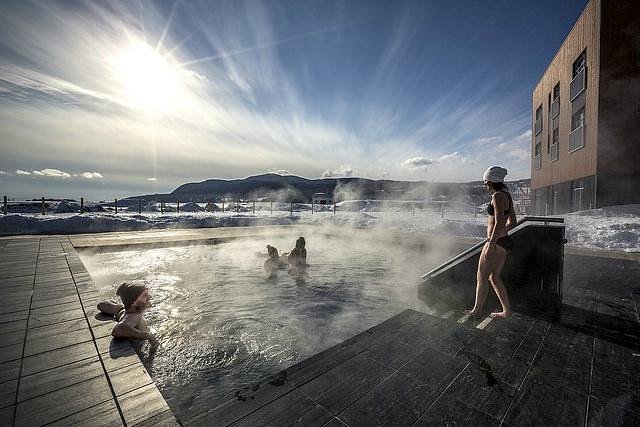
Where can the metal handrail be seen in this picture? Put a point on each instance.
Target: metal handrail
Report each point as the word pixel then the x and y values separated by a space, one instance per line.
pixel 463 255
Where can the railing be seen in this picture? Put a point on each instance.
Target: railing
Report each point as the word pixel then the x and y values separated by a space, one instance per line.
pixel 475 248
pixel 576 139
pixel 578 84
pixel 555 108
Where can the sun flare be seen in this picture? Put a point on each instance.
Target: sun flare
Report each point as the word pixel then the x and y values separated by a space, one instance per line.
pixel 148 80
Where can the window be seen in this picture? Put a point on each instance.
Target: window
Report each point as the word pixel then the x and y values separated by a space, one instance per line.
pixel 577 120
pixel 576 137
pixel 580 63
pixel 554 108
pixel 537 160
pixel 555 141
pixel 538 124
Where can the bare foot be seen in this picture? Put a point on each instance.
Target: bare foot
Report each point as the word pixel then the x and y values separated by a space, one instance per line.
pixel 500 314
pixel 473 313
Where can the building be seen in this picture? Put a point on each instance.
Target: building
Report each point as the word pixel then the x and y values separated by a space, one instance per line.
pixel 586 114
pixel 321 199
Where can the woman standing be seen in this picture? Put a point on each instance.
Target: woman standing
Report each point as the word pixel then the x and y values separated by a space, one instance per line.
pixel 501 218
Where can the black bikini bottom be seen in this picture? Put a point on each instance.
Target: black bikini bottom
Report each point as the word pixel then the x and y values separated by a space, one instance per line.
pixel 505 243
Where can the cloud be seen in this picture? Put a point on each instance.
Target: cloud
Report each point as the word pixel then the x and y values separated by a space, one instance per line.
pixel 152 179
pixel 21 172
pixel 342 171
pixel 417 163
pixel 3 173
pixel 280 171
pixel 53 173
pixel 91 175
pixel 488 140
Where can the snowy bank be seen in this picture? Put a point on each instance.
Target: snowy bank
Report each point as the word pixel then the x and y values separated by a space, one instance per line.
pixel 612 228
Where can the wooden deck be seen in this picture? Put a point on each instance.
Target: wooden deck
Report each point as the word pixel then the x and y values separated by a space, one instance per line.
pixel 59 364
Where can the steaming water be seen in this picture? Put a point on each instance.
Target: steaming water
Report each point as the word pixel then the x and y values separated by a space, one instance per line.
pixel 223 325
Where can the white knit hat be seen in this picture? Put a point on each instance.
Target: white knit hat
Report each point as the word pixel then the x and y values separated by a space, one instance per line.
pixel 495 174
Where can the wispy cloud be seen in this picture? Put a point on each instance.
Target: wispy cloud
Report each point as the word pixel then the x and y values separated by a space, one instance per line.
pixel 342 171
pixel 52 173
pixel 249 93
pixel 417 163
pixel 91 175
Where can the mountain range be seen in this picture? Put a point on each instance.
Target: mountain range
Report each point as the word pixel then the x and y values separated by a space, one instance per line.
pixel 291 188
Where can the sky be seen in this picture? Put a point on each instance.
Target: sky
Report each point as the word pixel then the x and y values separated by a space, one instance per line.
pixel 110 99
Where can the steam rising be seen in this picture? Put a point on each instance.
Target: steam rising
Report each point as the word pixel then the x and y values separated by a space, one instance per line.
pixel 224 325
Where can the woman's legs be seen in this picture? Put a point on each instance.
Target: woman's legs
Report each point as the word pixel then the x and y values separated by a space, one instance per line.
pixel 482 281
pixel 498 285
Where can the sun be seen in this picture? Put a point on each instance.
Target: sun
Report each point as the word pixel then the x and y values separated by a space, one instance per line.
pixel 148 81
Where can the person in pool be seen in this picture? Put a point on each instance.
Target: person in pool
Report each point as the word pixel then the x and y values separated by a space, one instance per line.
pixel 129 315
pixel 501 218
pixel 274 262
pixel 297 258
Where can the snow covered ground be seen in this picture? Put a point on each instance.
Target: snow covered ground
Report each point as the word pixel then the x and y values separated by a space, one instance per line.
pixel 615 228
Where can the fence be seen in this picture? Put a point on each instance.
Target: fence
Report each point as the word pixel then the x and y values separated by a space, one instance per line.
pixel 46 206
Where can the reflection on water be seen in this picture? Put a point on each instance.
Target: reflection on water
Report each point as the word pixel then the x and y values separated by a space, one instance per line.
pixel 224 325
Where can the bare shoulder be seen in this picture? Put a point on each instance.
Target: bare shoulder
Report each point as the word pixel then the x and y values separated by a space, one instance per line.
pixel 499 198
pixel 131 319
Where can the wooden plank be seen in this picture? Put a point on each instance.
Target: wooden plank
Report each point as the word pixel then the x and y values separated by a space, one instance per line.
pixel 141 404
pixel 543 400
pixel 8 393
pixel 164 419
pixel 245 402
pixel 9 370
pixel 292 408
pixel 10 338
pixel 6 415
pixel 617 412
pixel 47 408
pixel 129 378
pixel 10 352
pixel 55 314
pixel 14 316
pixel 392 353
pixel 103 415
pixel 513 373
pixel 616 372
pixel 452 412
pixel 48 343
pixel 480 389
pixel 346 383
pixel 399 399
pixel 565 357
pixel 58 357
pixel 60 377
pixel 11 327
pixel 434 368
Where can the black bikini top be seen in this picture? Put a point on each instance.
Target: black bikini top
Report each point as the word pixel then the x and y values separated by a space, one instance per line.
pixel 490 210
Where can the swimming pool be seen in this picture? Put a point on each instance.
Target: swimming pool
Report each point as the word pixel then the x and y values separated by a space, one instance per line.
pixel 224 325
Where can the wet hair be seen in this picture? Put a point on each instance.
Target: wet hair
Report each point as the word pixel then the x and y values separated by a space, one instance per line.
pixel 300 242
pixel 273 252
pixel 496 186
